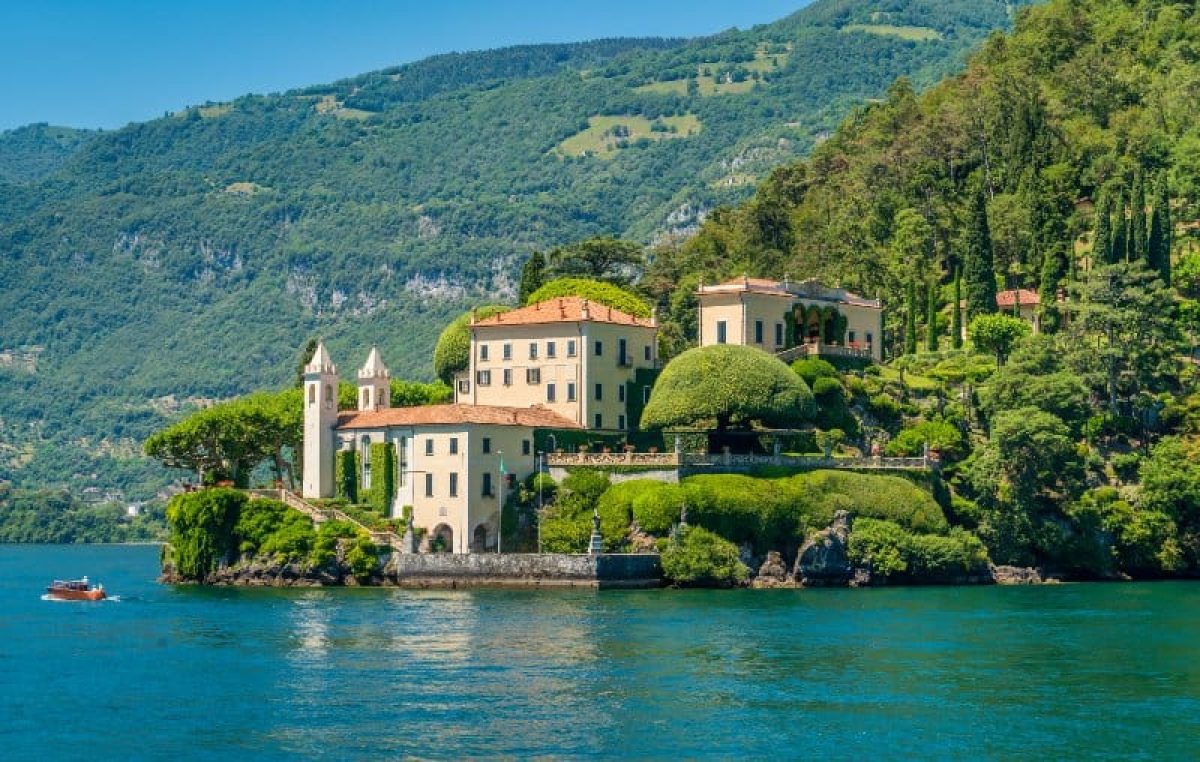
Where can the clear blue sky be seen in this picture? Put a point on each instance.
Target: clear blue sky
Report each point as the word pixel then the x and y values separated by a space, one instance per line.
pixel 103 63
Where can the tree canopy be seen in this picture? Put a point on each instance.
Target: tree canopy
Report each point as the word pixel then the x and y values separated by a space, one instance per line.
pixel 452 354
pixel 727 385
pixel 593 290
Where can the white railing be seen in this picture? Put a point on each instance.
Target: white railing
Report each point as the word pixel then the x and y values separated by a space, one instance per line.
pixel 593 459
pixel 816 349
pixel 718 461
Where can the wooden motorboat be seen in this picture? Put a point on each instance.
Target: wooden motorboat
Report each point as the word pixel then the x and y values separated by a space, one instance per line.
pixel 75 590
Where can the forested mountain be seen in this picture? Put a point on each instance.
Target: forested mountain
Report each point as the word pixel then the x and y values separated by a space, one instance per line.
pixel 190 256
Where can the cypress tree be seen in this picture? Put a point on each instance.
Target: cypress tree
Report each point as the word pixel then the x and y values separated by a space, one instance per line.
pixel 1053 269
pixel 1137 219
pixel 931 334
pixel 533 276
pixel 910 327
pixel 979 274
pixel 1158 244
pixel 1118 250
pixel 1102 237
pixel 956 327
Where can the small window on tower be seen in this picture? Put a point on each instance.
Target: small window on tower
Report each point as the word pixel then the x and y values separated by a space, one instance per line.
pixel 312 395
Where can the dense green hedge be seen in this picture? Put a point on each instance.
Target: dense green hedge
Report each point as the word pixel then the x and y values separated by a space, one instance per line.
pixel 891 550
pixel 345 477
pixel 383 476
pixel 700 556
pixel 595 291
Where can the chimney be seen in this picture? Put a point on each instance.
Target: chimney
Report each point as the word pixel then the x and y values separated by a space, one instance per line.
pixel 584 312
pixel 472 316
pixel 654 316
pixel 745 280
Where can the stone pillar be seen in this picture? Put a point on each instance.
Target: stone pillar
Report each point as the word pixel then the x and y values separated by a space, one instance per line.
pixel 408 544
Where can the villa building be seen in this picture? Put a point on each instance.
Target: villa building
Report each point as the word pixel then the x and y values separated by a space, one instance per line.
pixel 589 363
pixel 537 376
pixel 445 460
pixel 778 316
pixel 1018 302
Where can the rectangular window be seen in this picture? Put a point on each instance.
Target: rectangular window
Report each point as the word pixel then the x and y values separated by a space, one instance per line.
pixel 428 485
pixel 868 338
pixel 533 376
pixel 621 422
pixel 599 421
pixel 454 445
pixel 599 392
pixel 487 483
pixel 508 376
pixel 507 351
pixel 758 332
pixel 721 332
pixel 429 446
pixel 525 447
pixel 549 392
pixel 402 459
pixel 647 352
pixel 570 347
pixel 622 353
pixel 464 386
pixel 851 337
pixel 453 485
pixel 599 348
pixel 570 392
pixel 550 349
pixel 779 334
pixel 533 350
pixel 620 392
pixel 483 355
pixel 483 377
pixel 487 445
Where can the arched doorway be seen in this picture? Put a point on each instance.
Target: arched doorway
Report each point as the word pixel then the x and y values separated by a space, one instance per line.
pixel 479 539
pixel 443 539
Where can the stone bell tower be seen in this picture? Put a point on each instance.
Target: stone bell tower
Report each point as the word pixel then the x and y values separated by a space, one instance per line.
pixel 320 418
pixel 374 388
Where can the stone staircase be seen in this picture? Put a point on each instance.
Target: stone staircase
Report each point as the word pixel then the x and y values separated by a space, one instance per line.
pixel 320 514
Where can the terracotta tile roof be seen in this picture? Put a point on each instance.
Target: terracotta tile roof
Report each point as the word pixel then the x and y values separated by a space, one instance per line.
pixel 808 289
pixel 434 415
pixel 1009 298
pixel 565 309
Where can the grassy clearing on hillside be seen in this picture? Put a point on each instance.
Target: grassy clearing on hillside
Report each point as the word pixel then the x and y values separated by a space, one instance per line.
pixel 606 135
pixel 913 33
pixel 333 107
pixel 245 188
pixel 911 380
pixel 712 77
pixel 212 112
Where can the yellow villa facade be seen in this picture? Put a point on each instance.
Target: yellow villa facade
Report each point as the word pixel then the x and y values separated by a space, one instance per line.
pixel 776 316
pixel 574 358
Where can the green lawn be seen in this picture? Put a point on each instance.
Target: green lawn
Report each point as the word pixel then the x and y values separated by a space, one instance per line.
pixel 602 137
pixel 914 33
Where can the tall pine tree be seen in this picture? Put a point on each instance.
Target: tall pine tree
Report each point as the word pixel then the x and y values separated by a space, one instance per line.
pixel 1118 250
pixel 1137 219
pixel 910 320
pixel 1054 269
pixel 956 326
pixel 1102 237
pixel 533 275
pixel 931 334
pixel 979 274
pixel 1158 244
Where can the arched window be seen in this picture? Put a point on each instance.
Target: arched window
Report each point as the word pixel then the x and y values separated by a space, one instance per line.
pixel 312 394
pixel 366 398
pixel 328 395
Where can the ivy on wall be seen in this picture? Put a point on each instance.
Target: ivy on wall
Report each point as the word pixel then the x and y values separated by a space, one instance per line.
pixel 383 476
pixel 345 475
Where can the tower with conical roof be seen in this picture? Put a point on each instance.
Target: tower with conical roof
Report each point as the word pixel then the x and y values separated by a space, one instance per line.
pixel 320 418
pixel 374 388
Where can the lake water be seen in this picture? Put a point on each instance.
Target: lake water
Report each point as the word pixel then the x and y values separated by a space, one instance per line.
pixel 1008 673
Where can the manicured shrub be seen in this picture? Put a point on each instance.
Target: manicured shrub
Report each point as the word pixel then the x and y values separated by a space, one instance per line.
pixel 700 556
pixel 657 510
pixel 939 435
pixel 452 354
pixel 826 389
pixel 383 476
pixel 812 368
pixel 594 291
pixel 892 550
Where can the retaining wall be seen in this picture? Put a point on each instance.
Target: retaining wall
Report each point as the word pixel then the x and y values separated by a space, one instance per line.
pixel 608 570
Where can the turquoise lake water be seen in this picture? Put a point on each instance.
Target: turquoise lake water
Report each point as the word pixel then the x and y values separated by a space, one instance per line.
pixel 1051 672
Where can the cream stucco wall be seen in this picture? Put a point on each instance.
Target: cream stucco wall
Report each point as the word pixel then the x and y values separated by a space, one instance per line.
pixel 469 507
pixel 740 310
pixel 579 372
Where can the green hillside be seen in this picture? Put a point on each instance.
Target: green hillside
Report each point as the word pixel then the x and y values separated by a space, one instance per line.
pixel 189 257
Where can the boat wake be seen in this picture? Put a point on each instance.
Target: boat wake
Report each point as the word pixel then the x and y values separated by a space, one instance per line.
pixel 109 599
